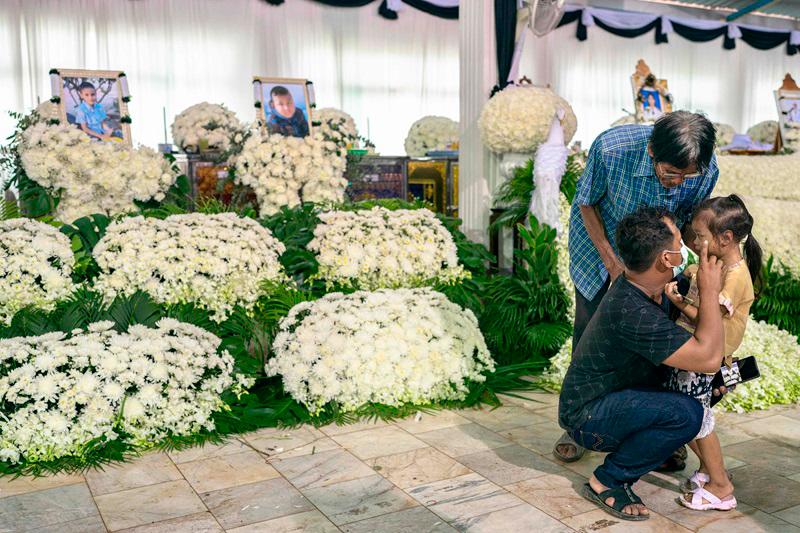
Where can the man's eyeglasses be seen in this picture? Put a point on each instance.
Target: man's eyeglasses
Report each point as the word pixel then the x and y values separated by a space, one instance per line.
pixel 677 175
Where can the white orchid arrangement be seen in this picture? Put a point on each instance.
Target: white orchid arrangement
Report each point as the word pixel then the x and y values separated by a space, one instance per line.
pixel 60 391
pixel 431 133
pixel 389 346
pixel 211 125
pixel 380 248
pixel 35 266
pixel 518 119
pixel 92 177
pixel 335 125
pixel 214 261
pixel 766 176
pixel 286 171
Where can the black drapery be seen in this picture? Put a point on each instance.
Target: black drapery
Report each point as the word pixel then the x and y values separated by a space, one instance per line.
pixel 760 39
pixel 383 9
pixel 505 27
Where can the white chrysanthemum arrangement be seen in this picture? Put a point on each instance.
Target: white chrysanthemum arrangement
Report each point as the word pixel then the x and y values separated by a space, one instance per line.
pixel 35 266
pixel 627 119
pixel 390 347
pixel 518 119
pixel 335 125
pixel 766 176
pixel 776 226
pixel 213 125
pixel 92 177
pixel 286 171
pixel 214 261
pixel 61 391
pixel 777 353
pixel 380 248
pixel 431 133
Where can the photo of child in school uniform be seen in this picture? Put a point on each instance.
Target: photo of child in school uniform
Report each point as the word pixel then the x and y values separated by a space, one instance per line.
pixel 286 109
pixel 92 105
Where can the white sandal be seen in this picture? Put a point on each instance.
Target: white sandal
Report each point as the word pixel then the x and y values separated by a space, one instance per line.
pixel 695 481
pixel 712 503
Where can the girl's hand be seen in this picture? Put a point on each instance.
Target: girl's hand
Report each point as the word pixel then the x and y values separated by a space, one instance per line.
pixel 671 289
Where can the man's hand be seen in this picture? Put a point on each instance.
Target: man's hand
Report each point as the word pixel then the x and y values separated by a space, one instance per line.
pixel 709 275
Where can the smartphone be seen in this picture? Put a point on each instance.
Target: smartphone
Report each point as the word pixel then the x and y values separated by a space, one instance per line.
pixel 740 371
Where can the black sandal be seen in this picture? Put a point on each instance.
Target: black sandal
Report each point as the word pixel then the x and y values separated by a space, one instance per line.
pixel 623 496
pixel 565 439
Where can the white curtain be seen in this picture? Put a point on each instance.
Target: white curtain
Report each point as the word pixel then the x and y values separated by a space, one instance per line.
pixel 731 86
pixel 385 73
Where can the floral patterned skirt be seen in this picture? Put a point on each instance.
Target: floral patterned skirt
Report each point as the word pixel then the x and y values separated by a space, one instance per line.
pixel 698 386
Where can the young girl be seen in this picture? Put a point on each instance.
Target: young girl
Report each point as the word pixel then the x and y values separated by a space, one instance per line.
pixel 724 222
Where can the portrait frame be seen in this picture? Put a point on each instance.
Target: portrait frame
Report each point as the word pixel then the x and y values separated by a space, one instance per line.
pixel 112 93
pixel 787 104
pixel 263 85
pixel 651 96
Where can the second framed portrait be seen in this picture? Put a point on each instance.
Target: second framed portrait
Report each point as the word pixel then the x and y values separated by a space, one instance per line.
pixel 94 101
pixel 283 105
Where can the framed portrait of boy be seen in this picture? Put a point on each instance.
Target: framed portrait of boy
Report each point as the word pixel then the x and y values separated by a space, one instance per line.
pixel 787 101
pixel 651 96
pixel 282 105
pixel 95 102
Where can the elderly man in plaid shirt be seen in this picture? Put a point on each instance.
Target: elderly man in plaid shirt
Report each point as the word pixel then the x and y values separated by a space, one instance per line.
pixel 670 165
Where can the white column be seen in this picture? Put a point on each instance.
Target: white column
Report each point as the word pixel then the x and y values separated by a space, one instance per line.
pixel 477 172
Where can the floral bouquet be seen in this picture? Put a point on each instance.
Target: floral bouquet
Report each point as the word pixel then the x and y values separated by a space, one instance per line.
pixel 431 134
pixel 390 347
pixel 214 261
pixel 380 248
pixel 60 392
pixel 35 266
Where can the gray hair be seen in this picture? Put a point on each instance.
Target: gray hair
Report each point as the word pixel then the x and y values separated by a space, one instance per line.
pixel 682 138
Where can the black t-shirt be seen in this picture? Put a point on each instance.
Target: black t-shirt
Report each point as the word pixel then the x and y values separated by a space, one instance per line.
pixel 623 346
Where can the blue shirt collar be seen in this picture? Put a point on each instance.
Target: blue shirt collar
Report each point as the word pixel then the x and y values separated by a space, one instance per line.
pixel 645 167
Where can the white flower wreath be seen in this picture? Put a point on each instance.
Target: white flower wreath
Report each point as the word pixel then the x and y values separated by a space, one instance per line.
pixel 390 347
pixel 35 266
pixel 66 390
pixel 216 261
pixel 380 248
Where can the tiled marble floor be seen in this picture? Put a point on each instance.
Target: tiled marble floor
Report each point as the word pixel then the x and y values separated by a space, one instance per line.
pixel 455 471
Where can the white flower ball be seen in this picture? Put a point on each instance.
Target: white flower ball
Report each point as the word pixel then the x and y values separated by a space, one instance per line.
pixel 517 119
pixel 431 133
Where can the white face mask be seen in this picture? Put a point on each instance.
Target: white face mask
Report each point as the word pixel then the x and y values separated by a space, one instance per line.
pixel 684 251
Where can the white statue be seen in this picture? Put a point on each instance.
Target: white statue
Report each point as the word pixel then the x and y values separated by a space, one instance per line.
pixel 549 166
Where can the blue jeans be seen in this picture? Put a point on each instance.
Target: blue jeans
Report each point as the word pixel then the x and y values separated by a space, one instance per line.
pixel 640 428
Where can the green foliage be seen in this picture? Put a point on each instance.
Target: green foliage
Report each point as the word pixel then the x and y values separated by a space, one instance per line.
pixel 525 315
pixel 294 227
pixel 779 300
pixel 9 210
pixel 84 234
pixel 515 194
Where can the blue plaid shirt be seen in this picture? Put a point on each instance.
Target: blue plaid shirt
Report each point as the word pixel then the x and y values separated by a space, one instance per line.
pixel 619 178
